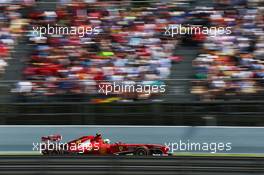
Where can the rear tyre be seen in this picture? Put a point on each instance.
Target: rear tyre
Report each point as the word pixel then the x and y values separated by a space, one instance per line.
pixel 142 151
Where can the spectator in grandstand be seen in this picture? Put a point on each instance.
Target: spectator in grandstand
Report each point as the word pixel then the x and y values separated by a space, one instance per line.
pixel 10 26
pixel 232 62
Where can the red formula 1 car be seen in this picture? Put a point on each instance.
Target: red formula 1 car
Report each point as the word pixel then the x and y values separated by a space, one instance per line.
pixel 96 145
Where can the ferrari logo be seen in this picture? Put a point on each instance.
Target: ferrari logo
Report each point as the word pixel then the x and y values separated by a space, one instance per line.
pixel 121 148
pixel 103 151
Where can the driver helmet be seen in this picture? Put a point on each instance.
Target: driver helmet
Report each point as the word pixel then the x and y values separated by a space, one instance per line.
pixel 107 141
pixel 98 135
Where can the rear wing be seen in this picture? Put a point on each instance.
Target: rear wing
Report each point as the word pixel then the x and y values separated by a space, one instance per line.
pixel 54 138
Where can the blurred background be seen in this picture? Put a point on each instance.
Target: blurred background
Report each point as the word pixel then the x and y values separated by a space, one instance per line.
pixel 55 78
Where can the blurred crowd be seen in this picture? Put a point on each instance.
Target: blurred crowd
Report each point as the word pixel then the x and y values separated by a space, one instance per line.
pixel 8 16
pixel 130 48
pixel 11 27
pixel 232 65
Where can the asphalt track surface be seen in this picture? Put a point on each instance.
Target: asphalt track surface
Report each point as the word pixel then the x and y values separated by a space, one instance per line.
pixel 76 165
pixel 242 139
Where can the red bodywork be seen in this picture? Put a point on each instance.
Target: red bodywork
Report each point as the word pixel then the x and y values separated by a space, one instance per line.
pixel 95 145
